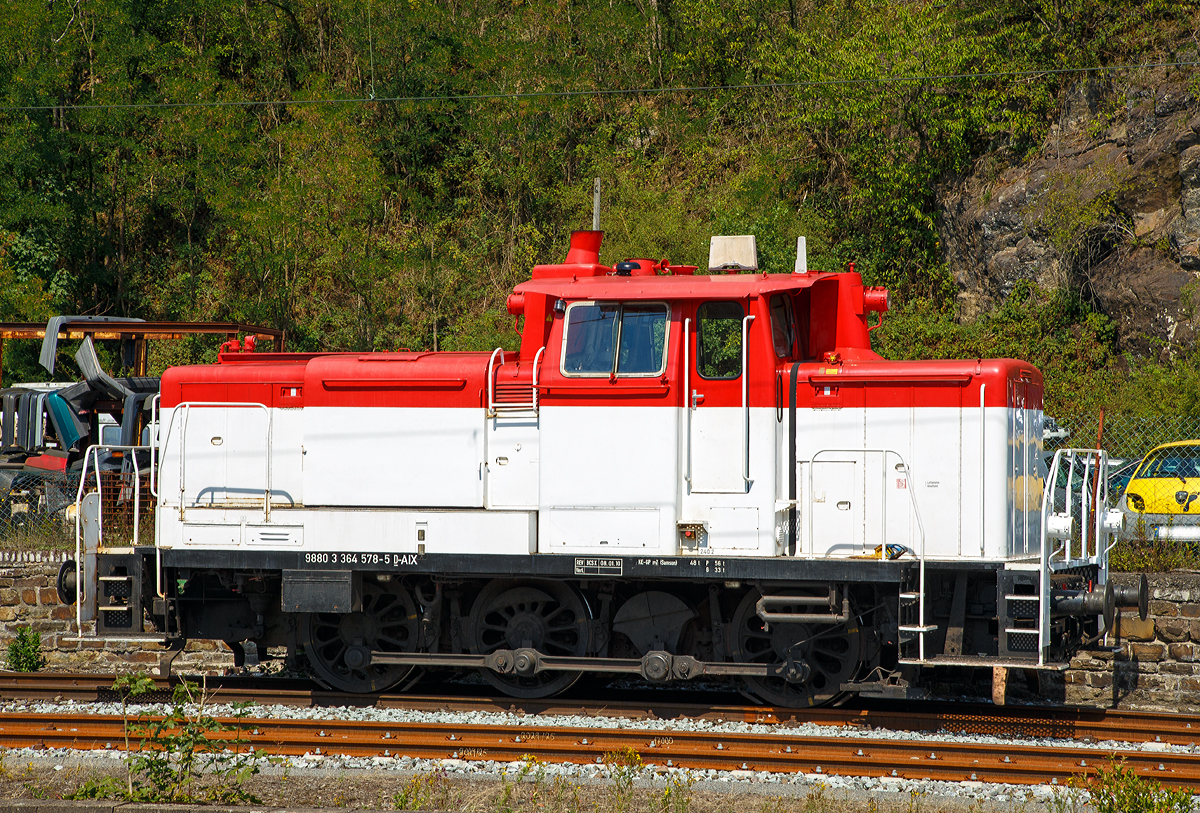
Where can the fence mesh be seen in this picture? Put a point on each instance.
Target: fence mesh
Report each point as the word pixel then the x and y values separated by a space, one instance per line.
pixel 1126 437
pixel 37 508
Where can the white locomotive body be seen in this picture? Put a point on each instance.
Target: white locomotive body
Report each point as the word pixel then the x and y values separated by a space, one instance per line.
pixel 675 475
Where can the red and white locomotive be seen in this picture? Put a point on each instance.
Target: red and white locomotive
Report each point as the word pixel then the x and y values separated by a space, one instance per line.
pixel 676 475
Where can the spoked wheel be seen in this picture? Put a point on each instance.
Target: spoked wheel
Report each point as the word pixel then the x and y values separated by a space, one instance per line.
pixel 548 616
pixel 339 645
pixel 825 655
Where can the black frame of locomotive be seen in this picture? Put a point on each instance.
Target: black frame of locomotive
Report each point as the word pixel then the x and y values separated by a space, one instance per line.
pixel 264 596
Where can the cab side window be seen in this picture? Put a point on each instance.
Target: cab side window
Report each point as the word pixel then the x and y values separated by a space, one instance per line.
pixel 591 336
pixel 610 338
pixel 719 339
pixel 783 326
pixel 643 339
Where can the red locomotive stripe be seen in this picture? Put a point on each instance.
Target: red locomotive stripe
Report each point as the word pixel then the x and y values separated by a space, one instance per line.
pixel 460 382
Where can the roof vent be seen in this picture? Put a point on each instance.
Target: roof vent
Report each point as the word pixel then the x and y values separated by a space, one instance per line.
pixel 733 254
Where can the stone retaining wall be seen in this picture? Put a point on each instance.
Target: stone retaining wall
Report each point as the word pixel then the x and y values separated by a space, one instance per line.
pixel 1157 665
pixel 28 598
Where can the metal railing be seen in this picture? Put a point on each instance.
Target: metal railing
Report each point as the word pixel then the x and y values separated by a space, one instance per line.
pixel 920 628
pixel 91 458
pixel 495 406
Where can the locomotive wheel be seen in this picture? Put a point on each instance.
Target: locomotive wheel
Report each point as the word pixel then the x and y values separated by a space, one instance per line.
pixel 336 643
pixel 548 616
pixel 833 654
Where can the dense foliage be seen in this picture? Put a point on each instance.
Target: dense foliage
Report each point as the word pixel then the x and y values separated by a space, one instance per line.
pixel 198 160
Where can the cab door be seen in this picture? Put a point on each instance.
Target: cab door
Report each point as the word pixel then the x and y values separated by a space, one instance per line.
pixel 714 401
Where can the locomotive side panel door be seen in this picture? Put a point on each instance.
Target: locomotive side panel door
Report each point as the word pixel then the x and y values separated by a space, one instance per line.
pixel 609 435
pixel 833 481
pixel 837 507
pixel 512 460
pixel 715 435
pixel 223 449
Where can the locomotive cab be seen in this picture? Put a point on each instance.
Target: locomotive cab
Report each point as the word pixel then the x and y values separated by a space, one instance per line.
pixel 674 475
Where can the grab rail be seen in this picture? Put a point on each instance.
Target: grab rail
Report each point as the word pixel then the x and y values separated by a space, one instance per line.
pixel 154 406
pixel 491 383
pixel 494 407
pixel 93 452
pixel 537 362
pixel 689 402
pixel 746 320
pixel 921 627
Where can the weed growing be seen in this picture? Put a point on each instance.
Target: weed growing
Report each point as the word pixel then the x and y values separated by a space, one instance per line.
pixel 675 796
pixel 1153 556
pixel 624 766
pixel 528 790
pixel 178 750
pixel 1115 788
pixel 427 791
pixel 1069 799
pixel 25 651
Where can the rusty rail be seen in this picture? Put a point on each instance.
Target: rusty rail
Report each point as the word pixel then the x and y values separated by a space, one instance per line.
pixel 847 756
pixel 1015 721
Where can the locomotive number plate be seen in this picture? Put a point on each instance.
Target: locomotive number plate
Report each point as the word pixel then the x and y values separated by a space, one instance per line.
pixel 599 567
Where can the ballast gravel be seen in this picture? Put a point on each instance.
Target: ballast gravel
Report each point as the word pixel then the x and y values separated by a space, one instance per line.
pixel 787 783
pixel 471 718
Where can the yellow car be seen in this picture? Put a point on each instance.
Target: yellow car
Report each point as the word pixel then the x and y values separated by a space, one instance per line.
pixel 1162 500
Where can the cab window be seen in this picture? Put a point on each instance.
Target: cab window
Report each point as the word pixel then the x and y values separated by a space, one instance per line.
pixel 783 326
pixel 609 338
pixel 591 335
pixel 643 340
pixel 719 339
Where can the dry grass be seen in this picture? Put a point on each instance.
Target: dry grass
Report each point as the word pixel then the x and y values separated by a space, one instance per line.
pixel 531 792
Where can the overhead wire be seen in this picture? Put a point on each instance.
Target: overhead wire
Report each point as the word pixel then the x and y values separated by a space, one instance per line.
pixel 553 94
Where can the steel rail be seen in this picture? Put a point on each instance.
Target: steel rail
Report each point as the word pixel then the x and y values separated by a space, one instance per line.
pixel 781 753
pixel 1012 721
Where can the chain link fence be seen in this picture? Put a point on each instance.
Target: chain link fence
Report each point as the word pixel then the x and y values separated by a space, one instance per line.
pixel 37 508
pixel 1127 438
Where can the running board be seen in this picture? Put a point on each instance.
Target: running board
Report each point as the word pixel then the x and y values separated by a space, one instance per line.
pixel 653 666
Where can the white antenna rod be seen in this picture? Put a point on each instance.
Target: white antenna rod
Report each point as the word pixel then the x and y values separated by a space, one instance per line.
pixel 596 206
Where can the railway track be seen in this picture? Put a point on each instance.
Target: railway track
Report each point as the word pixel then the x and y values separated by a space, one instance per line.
pixel 981 719
pixel 847 756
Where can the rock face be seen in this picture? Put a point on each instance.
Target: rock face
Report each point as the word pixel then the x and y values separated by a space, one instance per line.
pixel 1109 206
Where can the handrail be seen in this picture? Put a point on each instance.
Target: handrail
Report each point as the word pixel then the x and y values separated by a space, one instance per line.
pixel 490 382
pixel 982 467
pixel 746 320
pixel 857 377
pixel 91 452
pixel 154 407
pixel 916 513
pixel 185 407
pixel 537 360
pixel 1091 534
pixel 688 404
